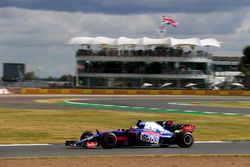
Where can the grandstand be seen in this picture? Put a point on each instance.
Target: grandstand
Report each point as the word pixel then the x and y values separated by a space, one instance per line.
pixel 103 62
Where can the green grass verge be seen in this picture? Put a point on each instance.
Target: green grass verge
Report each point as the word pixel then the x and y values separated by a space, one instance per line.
pixel 55 126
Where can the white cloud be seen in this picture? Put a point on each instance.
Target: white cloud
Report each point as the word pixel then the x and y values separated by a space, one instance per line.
pixel 245 25
pixel 38 38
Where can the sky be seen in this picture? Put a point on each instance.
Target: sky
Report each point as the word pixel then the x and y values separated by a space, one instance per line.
pixel 35 32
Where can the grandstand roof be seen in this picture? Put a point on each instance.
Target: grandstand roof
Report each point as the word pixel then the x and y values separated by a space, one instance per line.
pixel 227 58
pixel 144 41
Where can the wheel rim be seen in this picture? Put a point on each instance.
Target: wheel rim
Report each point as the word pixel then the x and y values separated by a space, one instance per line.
pixel 110 140
pixel 188 140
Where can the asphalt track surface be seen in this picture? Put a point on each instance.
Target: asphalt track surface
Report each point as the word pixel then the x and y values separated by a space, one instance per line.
pixel 27 102
pixel 61 150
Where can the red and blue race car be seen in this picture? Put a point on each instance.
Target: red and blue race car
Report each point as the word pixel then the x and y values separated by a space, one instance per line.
pixel 160 133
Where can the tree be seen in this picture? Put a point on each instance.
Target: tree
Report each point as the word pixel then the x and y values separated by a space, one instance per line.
pixel 245 61
pixel 30 75
pixel 65 77
pixel 50 78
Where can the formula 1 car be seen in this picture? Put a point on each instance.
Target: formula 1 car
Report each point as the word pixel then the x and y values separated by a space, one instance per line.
pixel 160 133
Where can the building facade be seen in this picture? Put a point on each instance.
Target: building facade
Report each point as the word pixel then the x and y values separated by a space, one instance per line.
pixel 134 63
pixel 13 71
pixel 226 67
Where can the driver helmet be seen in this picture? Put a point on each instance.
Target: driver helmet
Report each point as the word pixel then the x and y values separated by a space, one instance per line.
pixel 134 127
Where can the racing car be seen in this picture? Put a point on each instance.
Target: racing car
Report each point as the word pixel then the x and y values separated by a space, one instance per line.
pixel 145 133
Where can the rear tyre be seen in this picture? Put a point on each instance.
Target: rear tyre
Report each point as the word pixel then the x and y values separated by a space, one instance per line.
pixel 108 140
pixel 186 140
pixel 86 134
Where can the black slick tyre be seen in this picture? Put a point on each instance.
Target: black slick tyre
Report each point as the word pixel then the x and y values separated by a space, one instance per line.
pixel 86 134
pixel 186 140
pixel 108 140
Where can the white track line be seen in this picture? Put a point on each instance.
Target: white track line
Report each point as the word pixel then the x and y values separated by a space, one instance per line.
pixel 211 142
pixel 14 145
pixel 180 104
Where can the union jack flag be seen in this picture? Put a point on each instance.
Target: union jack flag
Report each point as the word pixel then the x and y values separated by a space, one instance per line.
pixel 169 21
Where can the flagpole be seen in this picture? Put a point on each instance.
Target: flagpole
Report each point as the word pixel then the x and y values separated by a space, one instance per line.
pixel 77 77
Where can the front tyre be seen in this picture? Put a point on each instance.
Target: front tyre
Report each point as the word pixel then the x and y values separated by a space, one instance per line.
pixel 186 140
pixel 108 140
pixel 86 134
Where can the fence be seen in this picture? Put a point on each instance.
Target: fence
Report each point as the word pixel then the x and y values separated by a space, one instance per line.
pixel 134 92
